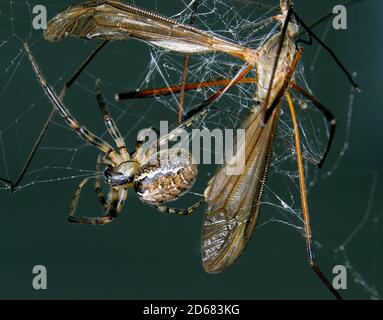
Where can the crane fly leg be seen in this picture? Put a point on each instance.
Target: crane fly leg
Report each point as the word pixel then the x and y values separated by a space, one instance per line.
pixel 175 89
pixel 305 208
pixel 327 114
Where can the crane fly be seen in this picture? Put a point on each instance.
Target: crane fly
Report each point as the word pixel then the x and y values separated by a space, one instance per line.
pixel 233 202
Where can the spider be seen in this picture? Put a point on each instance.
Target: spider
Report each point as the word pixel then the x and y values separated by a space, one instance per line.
pixel 157 177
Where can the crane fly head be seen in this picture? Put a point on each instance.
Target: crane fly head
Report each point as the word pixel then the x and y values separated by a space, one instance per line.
pixel 292 28
pixel 286 5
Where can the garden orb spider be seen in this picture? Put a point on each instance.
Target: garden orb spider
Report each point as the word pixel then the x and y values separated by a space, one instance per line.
pixel 171 174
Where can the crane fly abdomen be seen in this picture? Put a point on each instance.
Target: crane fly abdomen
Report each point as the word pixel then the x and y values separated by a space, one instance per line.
pixel 165 179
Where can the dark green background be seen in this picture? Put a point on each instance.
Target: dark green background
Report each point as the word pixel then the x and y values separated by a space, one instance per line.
pixel 144 254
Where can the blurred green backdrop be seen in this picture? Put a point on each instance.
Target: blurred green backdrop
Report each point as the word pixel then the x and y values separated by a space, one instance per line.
pixel 144 254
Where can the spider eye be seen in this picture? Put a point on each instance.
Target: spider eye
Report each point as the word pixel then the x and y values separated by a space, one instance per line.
pixel 108 171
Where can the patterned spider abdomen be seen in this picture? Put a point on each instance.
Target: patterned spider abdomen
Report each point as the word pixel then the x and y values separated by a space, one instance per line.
pixel 168 175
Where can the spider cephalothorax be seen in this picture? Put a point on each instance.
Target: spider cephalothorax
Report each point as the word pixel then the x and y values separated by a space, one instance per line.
pixel 121 175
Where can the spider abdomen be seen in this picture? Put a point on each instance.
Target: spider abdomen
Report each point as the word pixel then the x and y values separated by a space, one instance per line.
pixel 165 179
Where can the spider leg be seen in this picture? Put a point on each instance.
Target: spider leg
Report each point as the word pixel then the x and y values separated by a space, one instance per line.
pixel 144 151
pixel 71 121
pixel 97 185
pixel 13 185
pixel 214 97
pixel 189 121
pixel 113 206
pixel 181 212
pixel 110 124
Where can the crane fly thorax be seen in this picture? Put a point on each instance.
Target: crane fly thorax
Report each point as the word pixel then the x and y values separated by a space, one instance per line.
pixel 265 65
pixel 171 175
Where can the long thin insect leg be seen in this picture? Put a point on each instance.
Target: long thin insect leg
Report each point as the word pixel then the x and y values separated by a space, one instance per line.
pixel 326 112
pixel 333 55
pixel 241 74
pixel 330 14
pixel 110 124
pixel 13 185
pixel 185 71
pixel 174 89
pixel 60 107
pixel 86 62
pixel 305 208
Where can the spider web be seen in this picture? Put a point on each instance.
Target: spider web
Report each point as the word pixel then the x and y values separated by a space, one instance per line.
pixel 62 156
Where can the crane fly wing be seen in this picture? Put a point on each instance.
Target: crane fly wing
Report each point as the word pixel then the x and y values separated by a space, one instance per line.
pixel 113 20
pixel 233 201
